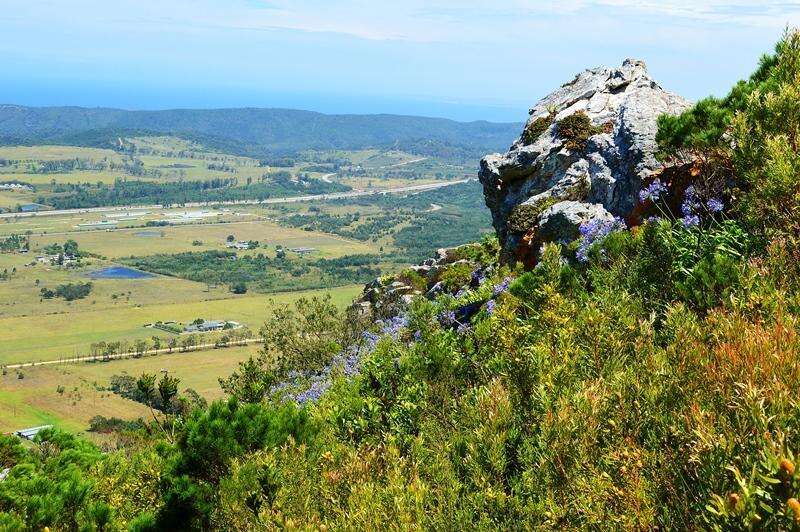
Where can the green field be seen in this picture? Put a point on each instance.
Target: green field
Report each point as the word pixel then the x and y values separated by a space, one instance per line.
pixel 70 333
pixel 35 399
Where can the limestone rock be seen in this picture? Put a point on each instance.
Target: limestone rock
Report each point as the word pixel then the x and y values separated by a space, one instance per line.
pixel 561 222
pixel 614 112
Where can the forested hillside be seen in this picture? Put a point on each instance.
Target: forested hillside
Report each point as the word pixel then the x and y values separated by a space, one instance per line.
pixel 253 132
pixel 642 376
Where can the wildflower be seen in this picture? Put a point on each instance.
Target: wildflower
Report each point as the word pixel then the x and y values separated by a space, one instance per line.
pixel 593 231
pixel 460 293
pixel 653 191
pixel 794 505
pixel 787 467
pixel 714 205
pixel 417 336
pixel 690 203
pixel 477 277
pixel 490 306
pixel 502 287
pixel 691 220
pixel 393 326
pixel 462 328
pixel 447 317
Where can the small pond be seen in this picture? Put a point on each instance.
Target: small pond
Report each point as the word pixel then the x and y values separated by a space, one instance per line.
pixel 120 272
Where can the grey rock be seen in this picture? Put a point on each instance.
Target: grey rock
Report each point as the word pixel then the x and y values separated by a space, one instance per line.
pixel 561 222
pixel 435 290
pixel 626 102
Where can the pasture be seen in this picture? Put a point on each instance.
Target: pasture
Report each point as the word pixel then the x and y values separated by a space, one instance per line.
pixel 69 395
pixel 69 333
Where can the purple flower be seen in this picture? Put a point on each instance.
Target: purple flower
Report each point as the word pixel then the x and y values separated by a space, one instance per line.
pixel 460 293
pixel 393 326
pixel 417 336
pixel 691 220
pixel 593 231
pixel 715 205
pixel 691 203
pixel 447 317
pixel 478 277
pixel 653 191
pixel 502 287
pixel 490 306
pixel 462 328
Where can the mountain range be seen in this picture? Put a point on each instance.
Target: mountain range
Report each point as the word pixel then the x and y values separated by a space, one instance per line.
pixel 255 131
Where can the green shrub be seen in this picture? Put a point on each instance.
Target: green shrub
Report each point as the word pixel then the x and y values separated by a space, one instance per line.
pixel 575 130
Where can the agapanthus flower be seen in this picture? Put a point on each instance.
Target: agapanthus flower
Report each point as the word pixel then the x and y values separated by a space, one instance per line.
pixel 502 287
pixel 593 231
pixel 691 203
pixel 478 277
pixel 715 205
pixel 691 220
pixel 447 318
pixel 653 191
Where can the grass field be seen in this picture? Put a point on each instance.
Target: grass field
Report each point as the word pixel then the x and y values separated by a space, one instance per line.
pixel 177 239
pixel 54 336
pixel 35 400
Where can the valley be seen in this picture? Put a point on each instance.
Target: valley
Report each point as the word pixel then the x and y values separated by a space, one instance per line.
pixel 110 253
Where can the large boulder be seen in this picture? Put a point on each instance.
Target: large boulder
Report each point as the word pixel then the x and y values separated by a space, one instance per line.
pixel 590 142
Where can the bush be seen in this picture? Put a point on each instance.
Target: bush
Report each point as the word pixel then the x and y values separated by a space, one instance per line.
pixel 575 130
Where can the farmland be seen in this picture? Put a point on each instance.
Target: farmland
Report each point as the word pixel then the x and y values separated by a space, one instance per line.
pixel 215 262
pixel 36 398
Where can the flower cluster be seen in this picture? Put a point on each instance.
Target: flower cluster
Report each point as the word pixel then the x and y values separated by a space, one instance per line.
pixel 653 191
pixel 447 318
pixel 393 326
pixel 715 205
pixel 478 277
pixel 594 231
pixel 490 306
pixel 502 287
pixel 348 362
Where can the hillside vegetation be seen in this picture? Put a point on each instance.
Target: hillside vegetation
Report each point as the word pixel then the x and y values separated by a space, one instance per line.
pixel 254 132
pixel 638 378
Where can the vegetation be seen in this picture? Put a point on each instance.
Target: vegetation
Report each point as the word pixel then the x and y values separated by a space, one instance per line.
pixel 69 291
pixel 634 379
pixel 576 129
pixel 252 132
pixel 261 272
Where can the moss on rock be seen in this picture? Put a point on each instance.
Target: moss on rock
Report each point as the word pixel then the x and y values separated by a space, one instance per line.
pixel 576 129
pixel 535 129
pixel 525 216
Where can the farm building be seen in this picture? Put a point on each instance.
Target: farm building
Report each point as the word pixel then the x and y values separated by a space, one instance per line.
pixel 302 250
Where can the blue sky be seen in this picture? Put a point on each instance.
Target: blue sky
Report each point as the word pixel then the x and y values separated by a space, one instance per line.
pixel 464 60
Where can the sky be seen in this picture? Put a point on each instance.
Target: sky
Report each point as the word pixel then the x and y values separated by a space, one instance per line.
pixel 465 60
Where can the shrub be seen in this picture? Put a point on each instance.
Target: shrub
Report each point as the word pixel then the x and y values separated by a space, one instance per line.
pixel 576 129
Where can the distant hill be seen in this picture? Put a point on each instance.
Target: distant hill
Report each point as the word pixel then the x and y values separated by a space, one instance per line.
pixel 255 132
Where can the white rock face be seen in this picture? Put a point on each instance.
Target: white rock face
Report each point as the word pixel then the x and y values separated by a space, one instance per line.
pixel 625 104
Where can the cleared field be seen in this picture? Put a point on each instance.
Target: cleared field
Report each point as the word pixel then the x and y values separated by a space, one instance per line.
pixel 176 239
pixel 55 336
pixel 56 153
pixel 35 399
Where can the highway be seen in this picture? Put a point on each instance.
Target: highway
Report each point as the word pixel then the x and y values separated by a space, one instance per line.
pixel 268 201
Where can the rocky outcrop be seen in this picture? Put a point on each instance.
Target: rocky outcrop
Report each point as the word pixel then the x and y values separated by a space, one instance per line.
pixel 584 154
